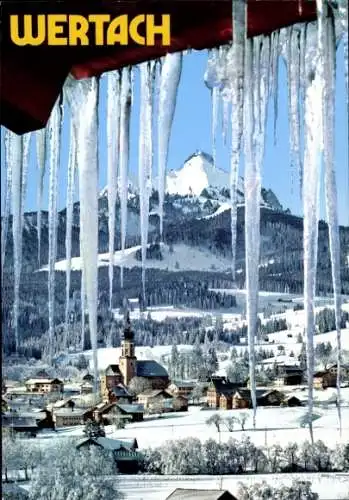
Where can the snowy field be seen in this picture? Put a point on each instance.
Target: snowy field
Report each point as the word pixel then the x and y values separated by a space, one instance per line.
pixel 328 486
pixel 333 486
pixel 273 425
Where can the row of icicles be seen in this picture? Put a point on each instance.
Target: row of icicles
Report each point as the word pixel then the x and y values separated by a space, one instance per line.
pixel 244 76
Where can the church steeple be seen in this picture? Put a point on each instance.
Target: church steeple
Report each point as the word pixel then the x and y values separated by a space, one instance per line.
pixel 128 333
pixel 128 360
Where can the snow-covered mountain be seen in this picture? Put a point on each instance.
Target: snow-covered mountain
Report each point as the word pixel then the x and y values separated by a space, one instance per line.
pixel 198 178
pixel 196 174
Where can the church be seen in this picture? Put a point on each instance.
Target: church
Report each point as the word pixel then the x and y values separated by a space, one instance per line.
pixel 118 375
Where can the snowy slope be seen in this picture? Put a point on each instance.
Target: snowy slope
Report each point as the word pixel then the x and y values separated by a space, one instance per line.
pixel 183 258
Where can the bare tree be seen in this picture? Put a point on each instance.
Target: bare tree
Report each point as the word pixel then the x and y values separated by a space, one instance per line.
pixel 215 420
pixel 242 420
pixel 230 422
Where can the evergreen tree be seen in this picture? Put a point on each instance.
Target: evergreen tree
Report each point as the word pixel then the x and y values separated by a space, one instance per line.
pixel 93 429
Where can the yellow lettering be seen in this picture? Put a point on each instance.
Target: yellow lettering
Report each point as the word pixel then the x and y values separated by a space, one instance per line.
pixel 78 28
pixel 163 29
pixel 120 37
pixel 133 29
pixel 54 29
pixel 28 38
pixel 99 20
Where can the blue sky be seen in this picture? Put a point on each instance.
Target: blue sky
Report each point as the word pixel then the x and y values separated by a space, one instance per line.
pixel 192 131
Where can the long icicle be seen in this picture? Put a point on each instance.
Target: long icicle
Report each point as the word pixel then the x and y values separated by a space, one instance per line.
pixel 41 138
pixel 7 204
pixel 311 167
pixel 87 160
pixel 54 127
pixel 125 112
pixel 275 77
pixel 145 156
pixel 252 193
pixel 328 114
pixel 237 84
pixel 25 160
pixel 170 76
pixel 69 225
pixel 15 144
pixel 113 125
pixel 293 71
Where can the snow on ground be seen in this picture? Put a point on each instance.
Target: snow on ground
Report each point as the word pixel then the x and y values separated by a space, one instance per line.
pixel 183 258
pixel 274 425
pixel 328 486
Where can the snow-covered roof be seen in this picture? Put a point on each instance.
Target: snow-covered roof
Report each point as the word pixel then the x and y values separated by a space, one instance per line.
pixel 68 412
pixel 133 408
pixel 188 494
pixel 43 381
pixel 150 368
pixel 108 444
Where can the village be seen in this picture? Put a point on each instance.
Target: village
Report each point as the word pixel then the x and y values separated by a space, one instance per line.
pixel 133 391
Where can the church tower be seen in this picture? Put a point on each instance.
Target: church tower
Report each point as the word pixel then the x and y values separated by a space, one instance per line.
pixel 128 360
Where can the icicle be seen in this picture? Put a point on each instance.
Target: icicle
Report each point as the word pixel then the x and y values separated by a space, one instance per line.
pixel 328 113
pixel 25 160
pixel 212 81
pixel 236 70
pixel 15 154
pixel 252 194
pixel 125 112
pixel 85 107
pixel 145 156
pixel 225 96
pixel 41 163
pixel 83 305
pixel 69 224
pixel 7 204
pixel 170 77
pixel 343 12
pixel 275 77
pixel 293 71
pixel 113 125
pixel 215 107
pixel 54 127
pixel 311 167
pixel 302 72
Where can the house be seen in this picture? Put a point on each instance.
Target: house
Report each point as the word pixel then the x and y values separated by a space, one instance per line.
pixel 129 366
pixel 328 378
pixel 20 424
pixel 289 375
pixel 86 388
pixel 44 385
pixel 188 494
pixel 292 401
pixel 66 417
pixel 43 418
pixel 242 398
pixel 134 412
pixel 120 394
pixel 62 403
pixel 105 412
pixel 153 398
pixel 181 388
pixel 344 371
pixel 125 453
pixel 177 403
pixel 220 386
